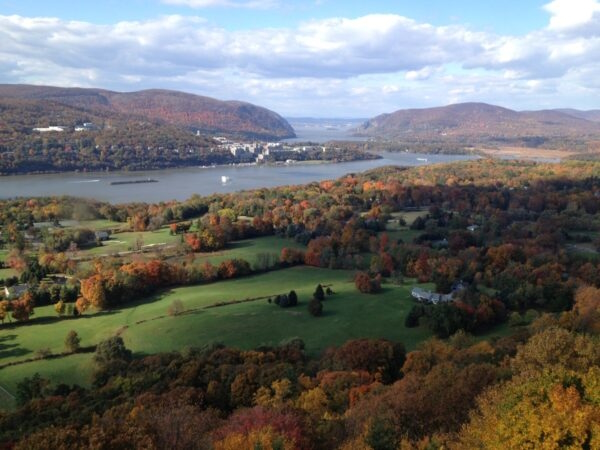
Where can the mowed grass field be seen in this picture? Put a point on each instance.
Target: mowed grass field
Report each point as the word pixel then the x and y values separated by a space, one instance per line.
pixel 127 241
pixel 248 249
pixel 146 328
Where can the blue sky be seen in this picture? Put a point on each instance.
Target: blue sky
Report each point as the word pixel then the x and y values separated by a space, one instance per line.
pixel 509 16
pixel 314 58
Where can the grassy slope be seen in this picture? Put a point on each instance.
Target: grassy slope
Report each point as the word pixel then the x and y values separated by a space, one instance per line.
pixel 122 242
pixel 348 314
pixel 248 249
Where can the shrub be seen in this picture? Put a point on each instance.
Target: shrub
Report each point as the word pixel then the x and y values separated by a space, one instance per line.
pixel 315 307
pixel 175 308
pixel 412 319
pixel 72 341
pixel 367 285
pixel 293 298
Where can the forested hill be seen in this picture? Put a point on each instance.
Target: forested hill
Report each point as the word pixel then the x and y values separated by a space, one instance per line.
pixel 178 109
pixel 481 124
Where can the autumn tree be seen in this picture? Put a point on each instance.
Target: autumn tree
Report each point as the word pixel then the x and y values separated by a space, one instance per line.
pixel 94 291
pixel 553 409
pixel 367 285
pixel 586 309
pixel 72 341
pixel 4 309
pixel 81 305
pixel 60 307
pixel 22 308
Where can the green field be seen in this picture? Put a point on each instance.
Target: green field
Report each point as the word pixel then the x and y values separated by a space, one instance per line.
pixel 396 231
pixel 127 241
pixel 72 370
pixel 98 224
pixel 347 314
pixel 248 249
pixel 6 272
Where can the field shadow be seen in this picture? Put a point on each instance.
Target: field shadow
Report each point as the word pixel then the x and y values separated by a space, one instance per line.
pixel 239 244
pixel 8 337
pixel 52 319
pixel 152 298
pixel 12 350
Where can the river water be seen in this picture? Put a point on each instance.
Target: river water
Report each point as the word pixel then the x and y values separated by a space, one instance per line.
pixel 180 184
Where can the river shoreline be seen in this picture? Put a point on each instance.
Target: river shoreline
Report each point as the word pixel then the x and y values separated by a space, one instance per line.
pixel 133 172
pixel 181 183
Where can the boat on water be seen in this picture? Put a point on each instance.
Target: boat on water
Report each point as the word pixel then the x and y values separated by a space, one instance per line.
pixel 422 159
pixel 225 179
pixel 145 180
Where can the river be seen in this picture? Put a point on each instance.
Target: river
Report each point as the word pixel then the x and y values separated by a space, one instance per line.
pixel 180 184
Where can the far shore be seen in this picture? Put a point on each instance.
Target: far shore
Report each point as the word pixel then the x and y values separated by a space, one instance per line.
pixel 527 153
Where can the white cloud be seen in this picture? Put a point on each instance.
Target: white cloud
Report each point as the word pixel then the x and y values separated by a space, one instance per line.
pixel 369 64
pixel 419 75
pixel 569 14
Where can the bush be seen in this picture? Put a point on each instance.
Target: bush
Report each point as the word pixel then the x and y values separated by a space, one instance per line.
pixel 367 285
pixel 72 341
pixel 315 307
pixel 111 349
pixel 293 298
pixel 283 301
pixel 175 308
pixel 43 353
pixel 412 319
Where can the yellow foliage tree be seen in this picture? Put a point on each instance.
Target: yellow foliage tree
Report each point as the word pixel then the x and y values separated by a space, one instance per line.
pixel 314 402
pixel 555 409
pixel 276 396
pixel 265 438
pixel 587 309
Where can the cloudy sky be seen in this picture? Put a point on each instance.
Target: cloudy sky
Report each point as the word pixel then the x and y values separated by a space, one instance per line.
pixel 319 58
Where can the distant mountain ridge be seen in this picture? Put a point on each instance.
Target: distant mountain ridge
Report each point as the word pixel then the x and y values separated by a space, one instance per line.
pixel 179 109
pixel 592 115
pixel 478 123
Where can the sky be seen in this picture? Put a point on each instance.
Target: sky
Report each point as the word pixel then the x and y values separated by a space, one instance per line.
pixel 314 58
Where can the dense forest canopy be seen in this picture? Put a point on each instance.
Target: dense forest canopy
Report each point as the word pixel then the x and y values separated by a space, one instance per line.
pixel 511 244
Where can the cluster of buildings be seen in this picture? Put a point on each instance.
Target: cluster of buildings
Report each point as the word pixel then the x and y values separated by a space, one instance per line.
pixel 424 296
pixel 259 151
pixel 86 126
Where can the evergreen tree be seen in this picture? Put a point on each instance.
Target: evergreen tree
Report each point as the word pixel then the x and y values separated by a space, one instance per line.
pixel 315 307
pixel 319 293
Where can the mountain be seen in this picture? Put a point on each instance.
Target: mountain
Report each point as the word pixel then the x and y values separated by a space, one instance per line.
pixel 592 115
pixel 178 109
pixel 481 123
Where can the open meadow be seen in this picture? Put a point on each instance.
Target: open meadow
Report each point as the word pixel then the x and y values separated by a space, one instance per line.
pixel 147 328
